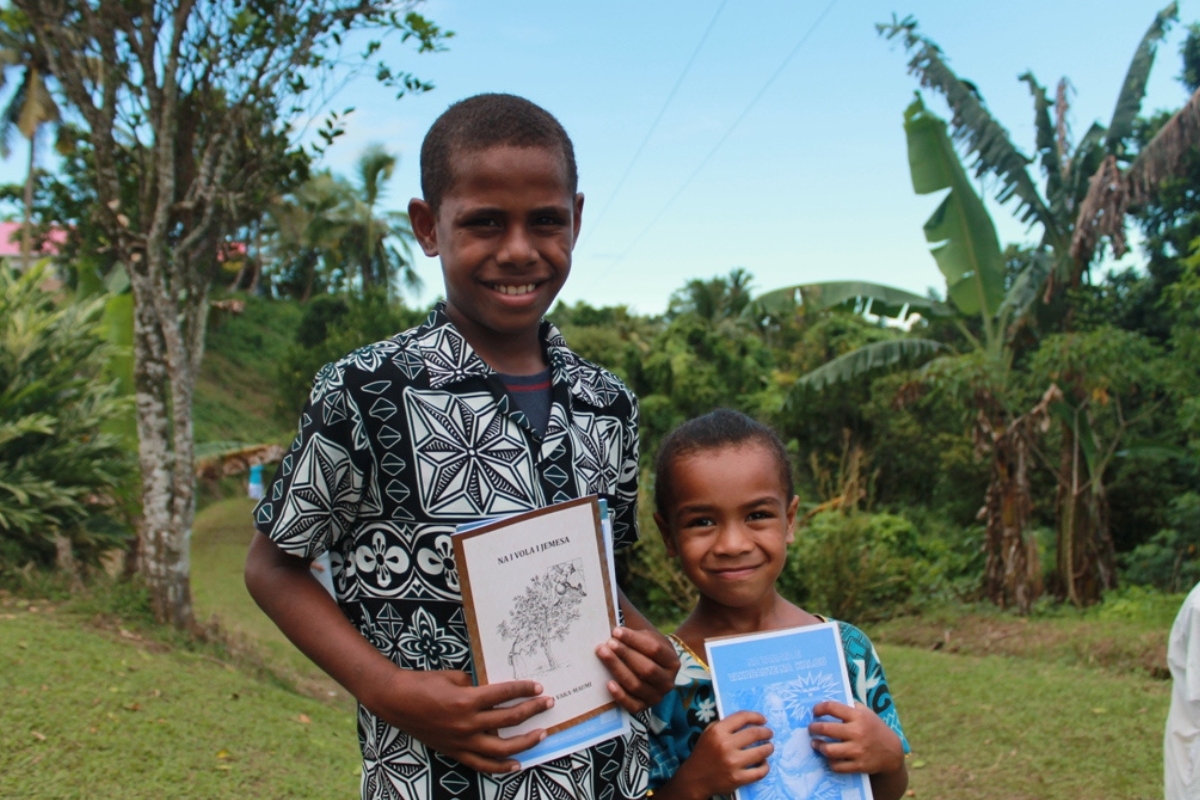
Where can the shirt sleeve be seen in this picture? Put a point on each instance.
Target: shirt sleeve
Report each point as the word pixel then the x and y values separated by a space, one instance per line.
pixel 625 502
pixel 317 490
pixel 868 683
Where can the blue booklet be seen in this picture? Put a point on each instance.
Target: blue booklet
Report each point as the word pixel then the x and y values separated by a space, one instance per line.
pixel 783 675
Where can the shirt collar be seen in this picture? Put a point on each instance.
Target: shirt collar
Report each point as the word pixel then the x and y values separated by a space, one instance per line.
pixel 448 358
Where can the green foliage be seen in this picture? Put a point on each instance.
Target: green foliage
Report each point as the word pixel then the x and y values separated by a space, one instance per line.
pixel 236 393
pixel 59 472
pixel 1170 561
pixel 855 567
pixel 333 326
pixel 961 232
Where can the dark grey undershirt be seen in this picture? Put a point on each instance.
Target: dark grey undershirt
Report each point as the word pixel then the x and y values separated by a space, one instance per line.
pixel 532 396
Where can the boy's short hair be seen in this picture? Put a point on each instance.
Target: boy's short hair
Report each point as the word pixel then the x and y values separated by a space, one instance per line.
pixel 483 121
pixel 716 429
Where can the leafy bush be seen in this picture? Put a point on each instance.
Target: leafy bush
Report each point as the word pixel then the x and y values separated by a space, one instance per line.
pixel 855 567
pixel 1171 559
pixel 334 325
pixel 60 473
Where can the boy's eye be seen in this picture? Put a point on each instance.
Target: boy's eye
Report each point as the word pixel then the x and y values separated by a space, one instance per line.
pixel 760 515
pixel 698 522
pixel 548 220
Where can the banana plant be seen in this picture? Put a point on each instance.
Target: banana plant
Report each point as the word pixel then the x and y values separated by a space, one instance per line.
pixel 1066 167
pixel 964 243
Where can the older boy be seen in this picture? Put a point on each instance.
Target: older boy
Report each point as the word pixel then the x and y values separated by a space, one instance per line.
pixel 480 411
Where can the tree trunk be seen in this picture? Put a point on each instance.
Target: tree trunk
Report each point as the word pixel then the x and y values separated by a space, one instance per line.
pixel 27 228
pixel 1013 573
pixel 1085 564
pixel 166 355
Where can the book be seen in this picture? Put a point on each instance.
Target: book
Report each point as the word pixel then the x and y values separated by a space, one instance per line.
pixel 783 675
pixel 539 595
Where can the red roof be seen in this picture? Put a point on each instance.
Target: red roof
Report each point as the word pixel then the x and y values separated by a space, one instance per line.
pixel 10 240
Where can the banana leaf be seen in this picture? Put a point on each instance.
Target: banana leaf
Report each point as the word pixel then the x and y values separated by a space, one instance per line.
pixel 881 300
pixel 877 355
pixel 964 239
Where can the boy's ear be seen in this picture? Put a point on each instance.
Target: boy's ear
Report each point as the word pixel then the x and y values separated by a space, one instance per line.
pixel 578 216
pixel 664 530
pixel 424 225
pixel 793 506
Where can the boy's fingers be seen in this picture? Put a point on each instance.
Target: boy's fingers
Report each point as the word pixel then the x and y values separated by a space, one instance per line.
pixel 740 719
pixel 832 730
pixel 493 694
pixel 753 756
pixel 508 716
pixel 832 708
pixel 751 735
pixel 625 700
pixel 654 647
pixel 639 675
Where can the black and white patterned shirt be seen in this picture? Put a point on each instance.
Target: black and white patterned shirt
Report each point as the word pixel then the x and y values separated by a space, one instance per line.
pixel 400 442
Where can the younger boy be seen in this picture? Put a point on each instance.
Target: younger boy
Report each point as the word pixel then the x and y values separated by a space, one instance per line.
pixel 479 412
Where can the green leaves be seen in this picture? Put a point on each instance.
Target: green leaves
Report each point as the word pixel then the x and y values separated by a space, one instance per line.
pixel 877 355
pixel 854 296
pixel 1129 102
pixel 962 234
pixel 58 471
pixel 984 137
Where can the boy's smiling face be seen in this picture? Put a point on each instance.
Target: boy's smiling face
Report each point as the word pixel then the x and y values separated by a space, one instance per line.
pixel 729 522
pixel 504 233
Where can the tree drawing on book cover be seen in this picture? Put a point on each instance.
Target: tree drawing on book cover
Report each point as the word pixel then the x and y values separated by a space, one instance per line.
pixel 797 770
pixel 541 616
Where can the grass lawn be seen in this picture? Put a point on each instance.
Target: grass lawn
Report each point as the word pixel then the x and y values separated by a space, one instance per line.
pixel 95 713
pixel 1004 727
pixel 1059 707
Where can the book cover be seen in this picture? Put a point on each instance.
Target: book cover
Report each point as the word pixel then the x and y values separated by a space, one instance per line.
pixel 538 596
pixel 783 675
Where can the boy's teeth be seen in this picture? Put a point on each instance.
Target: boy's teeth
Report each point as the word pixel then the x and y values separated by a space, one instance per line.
pixel 526 289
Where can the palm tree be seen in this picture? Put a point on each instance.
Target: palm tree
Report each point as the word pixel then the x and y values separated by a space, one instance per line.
pixel 385 252
pixel 30 107
pixel 328 234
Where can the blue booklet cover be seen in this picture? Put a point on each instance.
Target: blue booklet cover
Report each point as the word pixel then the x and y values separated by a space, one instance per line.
pixel 782 675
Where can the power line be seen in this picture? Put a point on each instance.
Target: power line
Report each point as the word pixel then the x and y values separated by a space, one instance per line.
pixel 653 125
pixel 812 28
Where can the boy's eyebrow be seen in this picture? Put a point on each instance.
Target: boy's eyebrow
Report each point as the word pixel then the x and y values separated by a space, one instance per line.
pixel 764 500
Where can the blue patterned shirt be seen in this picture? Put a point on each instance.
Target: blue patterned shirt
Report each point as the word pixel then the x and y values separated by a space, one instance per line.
pixel 678 720
pixel 400 442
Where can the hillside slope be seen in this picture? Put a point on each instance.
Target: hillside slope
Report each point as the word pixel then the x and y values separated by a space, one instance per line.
pixel 235 395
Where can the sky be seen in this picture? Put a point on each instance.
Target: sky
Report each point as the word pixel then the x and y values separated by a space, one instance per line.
pixel 778 146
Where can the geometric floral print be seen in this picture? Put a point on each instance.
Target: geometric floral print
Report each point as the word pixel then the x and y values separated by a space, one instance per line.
pixel 472 460
pixel 400 442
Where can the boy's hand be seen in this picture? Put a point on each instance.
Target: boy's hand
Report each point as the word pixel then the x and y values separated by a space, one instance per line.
pixel 445 712
pixel 729 754
pixel 643 664
pixel 865 743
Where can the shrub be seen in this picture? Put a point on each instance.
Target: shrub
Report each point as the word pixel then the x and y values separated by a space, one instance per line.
pixel 855 566
pixel 333 326
pixel 1170 561
pixel 60 473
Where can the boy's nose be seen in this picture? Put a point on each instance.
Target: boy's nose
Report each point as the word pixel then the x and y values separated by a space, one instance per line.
pixel 732 541
pixel 517 248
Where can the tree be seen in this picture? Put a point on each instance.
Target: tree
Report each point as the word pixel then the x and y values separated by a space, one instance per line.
pixel 29 108
pixel 328 236
pixel 189 104
pixel 383 264
pixel 59 471
pixel 1066 213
